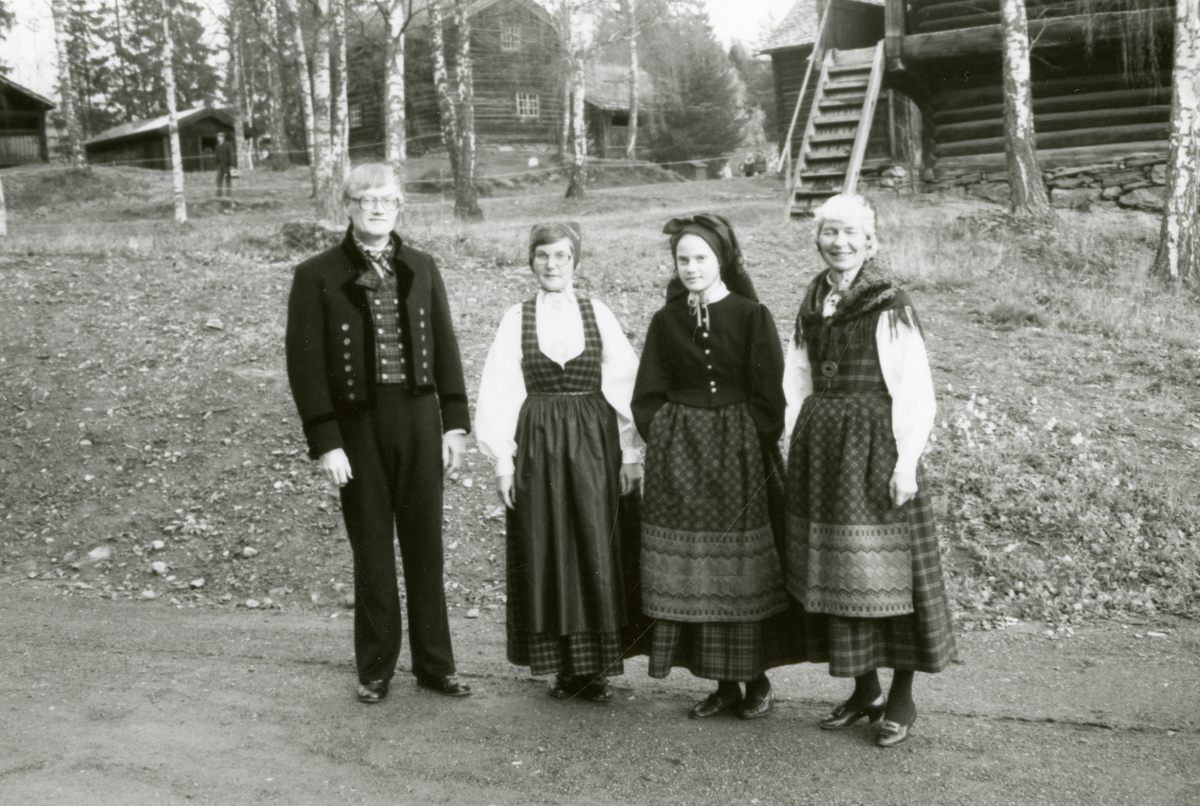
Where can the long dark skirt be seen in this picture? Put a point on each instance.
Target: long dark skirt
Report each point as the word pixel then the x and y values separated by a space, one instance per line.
pixel 567 599
pixel 710 564
pixel 839 469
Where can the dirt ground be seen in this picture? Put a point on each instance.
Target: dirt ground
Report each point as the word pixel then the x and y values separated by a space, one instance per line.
pixel 174 578
pixel 132 703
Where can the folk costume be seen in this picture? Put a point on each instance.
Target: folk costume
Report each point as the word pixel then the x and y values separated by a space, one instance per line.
pixel 709 404
pixel 865 574
pixel 554 410
pixel 374 369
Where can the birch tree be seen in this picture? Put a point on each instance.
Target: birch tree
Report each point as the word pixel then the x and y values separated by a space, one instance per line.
pixel 300 53
pixel 396 16
pixel 3 213
pixel 340 119
pixel 236 88
pixel 1178 257
pixel 74 139
pixel 328 206
pixel 457 107
pixel 634 80
pixel 1027 190
pixel 279 159
pixel 572 35
pixel 168 75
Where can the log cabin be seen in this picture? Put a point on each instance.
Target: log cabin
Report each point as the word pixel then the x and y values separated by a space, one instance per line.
pixel 22 125
pixel 918 82
pixel 516 70
pixel 145 143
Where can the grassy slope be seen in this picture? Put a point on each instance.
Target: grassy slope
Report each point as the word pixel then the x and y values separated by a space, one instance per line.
pixel 1061 463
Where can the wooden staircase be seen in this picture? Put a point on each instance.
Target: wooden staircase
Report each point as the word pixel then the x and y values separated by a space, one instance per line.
pixel 839 125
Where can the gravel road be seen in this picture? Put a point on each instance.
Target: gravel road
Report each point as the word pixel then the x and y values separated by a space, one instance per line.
pixel 137 703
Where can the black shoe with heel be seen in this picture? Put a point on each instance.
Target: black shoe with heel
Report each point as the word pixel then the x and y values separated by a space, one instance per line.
pixel 894 733
pixel 849 712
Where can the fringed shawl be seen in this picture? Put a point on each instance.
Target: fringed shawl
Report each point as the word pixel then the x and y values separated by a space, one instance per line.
pixel 872 293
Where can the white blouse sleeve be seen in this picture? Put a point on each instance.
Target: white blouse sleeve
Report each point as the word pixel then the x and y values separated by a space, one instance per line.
pixel 501 394
pixel 906 372
pixel 797 385
pixel 618 371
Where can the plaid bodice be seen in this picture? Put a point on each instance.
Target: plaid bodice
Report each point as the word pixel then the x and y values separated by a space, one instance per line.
pixel 581 375
pixel 845 358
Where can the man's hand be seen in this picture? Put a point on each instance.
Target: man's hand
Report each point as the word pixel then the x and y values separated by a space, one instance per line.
pixel 454 447
pixel 631 475
pixel 336 466
pixel 505 488
pixel 902 487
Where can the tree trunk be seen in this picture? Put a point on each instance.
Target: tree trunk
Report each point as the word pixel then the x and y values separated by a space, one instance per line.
pixel 3 213
pixel 168 69
pixel 441 81
pixel 279 159
pixel 577 187
pixel 74 144
pixel 306 92
pixel 1027 190
pixel 340 142
pixel 328 207
pixel 1178 258
pixel 466 194
pixel 395 136
pixel 235 80
pixel 634 81
pixel 564 135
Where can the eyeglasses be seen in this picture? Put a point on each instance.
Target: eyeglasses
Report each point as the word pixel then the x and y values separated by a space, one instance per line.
pixel 370 203
pixel 546 257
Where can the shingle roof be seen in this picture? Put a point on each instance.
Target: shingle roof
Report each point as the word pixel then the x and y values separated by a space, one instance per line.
pixel 41 99
pixel 155 124
pixel 607 86
pixel 799 27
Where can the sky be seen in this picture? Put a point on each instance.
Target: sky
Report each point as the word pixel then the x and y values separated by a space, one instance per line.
pixel 29 49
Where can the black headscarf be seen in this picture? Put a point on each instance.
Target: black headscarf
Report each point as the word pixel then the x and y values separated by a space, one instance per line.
pixel 718 233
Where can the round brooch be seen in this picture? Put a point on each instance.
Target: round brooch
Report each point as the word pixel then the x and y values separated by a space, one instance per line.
pixel 829 368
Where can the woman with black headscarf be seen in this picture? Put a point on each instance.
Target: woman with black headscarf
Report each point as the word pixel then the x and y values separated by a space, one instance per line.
pixel 553 414
pixel 709 403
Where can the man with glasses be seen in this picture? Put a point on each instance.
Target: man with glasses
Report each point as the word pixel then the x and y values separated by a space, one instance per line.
pixel 375 371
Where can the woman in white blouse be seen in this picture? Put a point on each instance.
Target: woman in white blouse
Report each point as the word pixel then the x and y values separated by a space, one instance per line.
pixel 862 556
pixel 553 414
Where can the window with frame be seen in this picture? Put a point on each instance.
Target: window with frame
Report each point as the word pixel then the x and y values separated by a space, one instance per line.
pixel 527 105
pixel 510 37
pixel 356 115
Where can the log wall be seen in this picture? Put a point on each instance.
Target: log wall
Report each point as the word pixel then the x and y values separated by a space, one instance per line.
pixel 935 16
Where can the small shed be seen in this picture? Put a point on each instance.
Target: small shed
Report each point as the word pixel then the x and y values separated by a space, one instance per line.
pixel 146 143
pixel 22 125
pixel 606 107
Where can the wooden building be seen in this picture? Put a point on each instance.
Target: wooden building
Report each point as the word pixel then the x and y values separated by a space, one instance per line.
pixel 1101 74
pixel 22 125
pixel 606 109
pixel 516 70
pixel 146 144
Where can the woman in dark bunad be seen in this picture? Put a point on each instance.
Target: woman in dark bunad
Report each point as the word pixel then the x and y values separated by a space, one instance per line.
pixel 862 553
pixel 553 414
pixel 709 403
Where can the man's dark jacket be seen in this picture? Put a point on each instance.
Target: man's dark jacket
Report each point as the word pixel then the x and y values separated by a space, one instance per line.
pixel 226 155
pixel 331 342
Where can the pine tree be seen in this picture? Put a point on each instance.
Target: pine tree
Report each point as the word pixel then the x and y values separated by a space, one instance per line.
pixel 701 116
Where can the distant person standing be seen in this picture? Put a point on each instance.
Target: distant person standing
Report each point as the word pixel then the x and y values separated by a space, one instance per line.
pixel 226 159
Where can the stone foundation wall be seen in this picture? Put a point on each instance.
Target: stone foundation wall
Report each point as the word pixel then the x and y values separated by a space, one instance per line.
pixel 1136 182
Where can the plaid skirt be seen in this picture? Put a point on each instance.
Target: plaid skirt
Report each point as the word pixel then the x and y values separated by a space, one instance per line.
pixel 829 484
pixel 723 650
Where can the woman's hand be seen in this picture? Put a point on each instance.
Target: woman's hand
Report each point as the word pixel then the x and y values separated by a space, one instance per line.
pixel 631 476
pixel 504 487
pixel 902 487
pixel 336 466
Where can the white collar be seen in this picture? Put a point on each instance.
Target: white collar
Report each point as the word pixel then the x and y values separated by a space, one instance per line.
pixel 567 295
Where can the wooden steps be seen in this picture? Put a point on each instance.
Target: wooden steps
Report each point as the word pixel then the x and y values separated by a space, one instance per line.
pixel 836 133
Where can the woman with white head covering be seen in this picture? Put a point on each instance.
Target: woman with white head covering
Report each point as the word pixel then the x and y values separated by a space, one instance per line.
pixel 862 553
